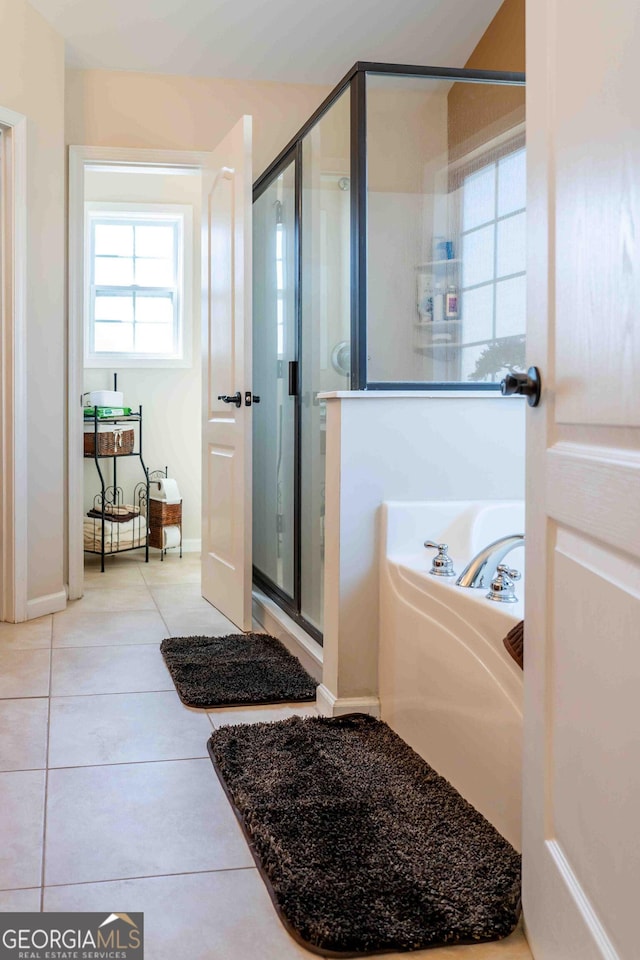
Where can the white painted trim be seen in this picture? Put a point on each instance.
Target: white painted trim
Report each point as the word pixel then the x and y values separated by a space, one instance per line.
pixel 279 624
pixel 330 706
pixel 13 380
pixel 414 395
pixel 582 902
pixel 120 156
pixel 75 464
pixel 49 603
pixel 79 158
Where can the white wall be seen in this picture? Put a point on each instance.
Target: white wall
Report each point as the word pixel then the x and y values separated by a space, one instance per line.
pixel 170 396
pixel 32 83
pixel 399 447
pixel 407 143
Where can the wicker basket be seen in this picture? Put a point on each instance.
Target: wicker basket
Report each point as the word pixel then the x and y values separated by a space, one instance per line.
pixel 111 443
pixel 161 515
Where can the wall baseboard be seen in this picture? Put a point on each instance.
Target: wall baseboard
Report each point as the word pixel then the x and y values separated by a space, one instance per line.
pixel 330 706
pixel 276 622
pixel 49 603
pixel 192 546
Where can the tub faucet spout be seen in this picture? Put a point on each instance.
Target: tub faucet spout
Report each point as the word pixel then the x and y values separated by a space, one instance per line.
pixel 482 569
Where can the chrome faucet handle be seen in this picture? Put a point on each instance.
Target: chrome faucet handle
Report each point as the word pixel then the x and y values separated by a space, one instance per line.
pixel 442 565
pixel 502 586
pixel 512 574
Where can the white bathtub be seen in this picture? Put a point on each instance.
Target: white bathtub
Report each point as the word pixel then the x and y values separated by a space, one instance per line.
pixel 447 685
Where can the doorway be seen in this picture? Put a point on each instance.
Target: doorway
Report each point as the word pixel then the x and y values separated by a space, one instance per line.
pixel 135 339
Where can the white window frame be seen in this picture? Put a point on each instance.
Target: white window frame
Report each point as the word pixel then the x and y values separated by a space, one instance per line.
pixel 182 216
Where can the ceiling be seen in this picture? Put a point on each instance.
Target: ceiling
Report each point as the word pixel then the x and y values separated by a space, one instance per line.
pixel 296 41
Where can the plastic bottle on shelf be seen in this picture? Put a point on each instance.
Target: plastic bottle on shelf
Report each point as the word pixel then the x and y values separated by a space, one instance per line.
pixel 451 303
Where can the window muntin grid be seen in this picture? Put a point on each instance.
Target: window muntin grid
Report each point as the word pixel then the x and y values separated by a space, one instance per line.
pixel 135 286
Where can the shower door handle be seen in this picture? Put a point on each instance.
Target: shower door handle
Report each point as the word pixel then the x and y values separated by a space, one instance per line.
pixel 293 378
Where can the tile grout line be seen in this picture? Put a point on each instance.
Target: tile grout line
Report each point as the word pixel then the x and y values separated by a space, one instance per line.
pixel 145 876
pixel 108 646
pixel 46 776
pixel 127 763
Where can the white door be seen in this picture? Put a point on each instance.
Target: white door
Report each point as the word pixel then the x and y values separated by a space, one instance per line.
pixel 226 371
pixel 581 840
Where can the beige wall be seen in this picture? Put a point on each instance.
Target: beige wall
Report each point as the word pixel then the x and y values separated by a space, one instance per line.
pixel 478 112
pixel 170 396
pixel 32 83
pixel 108 108
pixel 502 45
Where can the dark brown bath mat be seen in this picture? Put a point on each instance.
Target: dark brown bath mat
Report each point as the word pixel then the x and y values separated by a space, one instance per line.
pixel 240 669
pixel 514 642
pixel 362 846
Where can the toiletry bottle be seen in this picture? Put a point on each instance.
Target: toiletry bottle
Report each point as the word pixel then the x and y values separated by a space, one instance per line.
pixel 451 303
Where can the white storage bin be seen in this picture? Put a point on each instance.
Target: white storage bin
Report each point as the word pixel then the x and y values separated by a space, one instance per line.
pixel 104 398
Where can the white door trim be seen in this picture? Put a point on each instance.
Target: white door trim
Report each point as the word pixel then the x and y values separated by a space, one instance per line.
pixel 13 370
pixel 79 158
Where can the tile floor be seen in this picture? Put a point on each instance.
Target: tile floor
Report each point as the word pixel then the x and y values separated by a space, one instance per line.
pixel 108 798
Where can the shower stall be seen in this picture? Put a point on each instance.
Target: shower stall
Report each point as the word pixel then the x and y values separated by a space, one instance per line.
pixel 388 245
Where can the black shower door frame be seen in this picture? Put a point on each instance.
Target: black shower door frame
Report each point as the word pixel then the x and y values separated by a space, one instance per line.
pixel 355 80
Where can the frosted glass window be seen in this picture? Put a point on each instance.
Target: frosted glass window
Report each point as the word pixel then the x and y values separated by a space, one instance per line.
pixel 479 201
pixel 512 253
pixel 469 357
pixel 511 306
pixel 154 309
pixel 512 183
pixel 477 314
pixel 153 338
pixel 135 294
pixel 113 240
pixel 113 337
pixel 114 308
pixel 478 256
pixel 113 271
pixel 493 294
pixel 154 273
pixel 155 241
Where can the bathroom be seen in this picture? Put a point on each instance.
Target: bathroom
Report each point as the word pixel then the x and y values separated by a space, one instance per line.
pixel 389 305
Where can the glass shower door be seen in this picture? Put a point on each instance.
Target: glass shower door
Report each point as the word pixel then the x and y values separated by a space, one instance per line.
pixel 274 346
pixel 301 349
pixel 325 326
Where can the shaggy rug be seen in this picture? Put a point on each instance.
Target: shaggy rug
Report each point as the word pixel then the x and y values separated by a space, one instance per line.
pixel 363 847
pixel 236 670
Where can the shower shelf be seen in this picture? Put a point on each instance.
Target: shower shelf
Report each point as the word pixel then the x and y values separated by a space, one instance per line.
pixel 430 264
pixel 437 324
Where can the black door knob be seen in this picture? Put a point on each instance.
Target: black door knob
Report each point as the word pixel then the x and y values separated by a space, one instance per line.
pixel 527 385
pixel 236 398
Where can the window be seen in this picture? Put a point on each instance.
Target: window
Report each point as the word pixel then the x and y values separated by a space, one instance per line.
pixel 494 264
pixel 137 295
